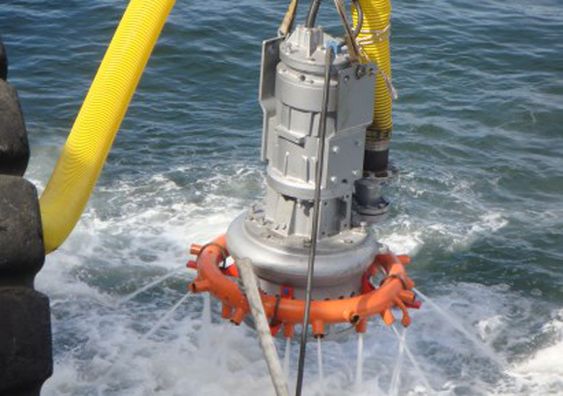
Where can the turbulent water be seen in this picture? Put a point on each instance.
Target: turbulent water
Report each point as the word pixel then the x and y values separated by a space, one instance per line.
pixel 478 203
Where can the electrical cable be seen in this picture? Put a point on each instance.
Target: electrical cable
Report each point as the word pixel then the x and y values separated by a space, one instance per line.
pixel 329 57
pixel 312 14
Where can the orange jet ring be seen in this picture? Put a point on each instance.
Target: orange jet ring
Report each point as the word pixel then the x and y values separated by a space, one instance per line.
pixel 394 291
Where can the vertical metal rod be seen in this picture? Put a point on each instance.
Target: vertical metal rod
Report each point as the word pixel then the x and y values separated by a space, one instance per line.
pixel 315 219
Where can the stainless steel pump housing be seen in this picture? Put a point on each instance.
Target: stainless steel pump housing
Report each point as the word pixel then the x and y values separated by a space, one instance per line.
pixel 275 235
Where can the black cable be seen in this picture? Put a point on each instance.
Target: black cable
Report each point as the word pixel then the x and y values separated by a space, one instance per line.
pixel 315 220
pixel 312 14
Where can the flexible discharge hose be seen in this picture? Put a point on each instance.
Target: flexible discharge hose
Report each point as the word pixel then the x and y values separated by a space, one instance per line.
pixel 374 39
pixel 86 149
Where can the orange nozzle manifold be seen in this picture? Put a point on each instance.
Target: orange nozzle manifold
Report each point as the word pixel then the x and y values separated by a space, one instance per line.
pixel 388 317
pixel 318 328
pixel 195 249
pixel 239 315
pixel 288 330
pixel 226 311
pixel 362 326
pixel 290 311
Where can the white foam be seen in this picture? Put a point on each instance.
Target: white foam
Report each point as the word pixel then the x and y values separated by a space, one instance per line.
pixel 542 372
pixel 149 226
pixel 173 362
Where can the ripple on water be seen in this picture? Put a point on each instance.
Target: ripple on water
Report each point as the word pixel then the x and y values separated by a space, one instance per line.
pixel 477 203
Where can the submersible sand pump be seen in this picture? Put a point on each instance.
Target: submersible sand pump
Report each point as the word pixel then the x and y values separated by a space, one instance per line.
pixel 323 189
pixel 306 255
pixel 325 140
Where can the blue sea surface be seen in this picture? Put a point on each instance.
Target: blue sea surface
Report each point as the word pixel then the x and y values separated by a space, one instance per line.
pixel 478 203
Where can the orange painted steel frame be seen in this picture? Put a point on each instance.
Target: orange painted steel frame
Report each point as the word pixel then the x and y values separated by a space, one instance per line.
pixel 395 291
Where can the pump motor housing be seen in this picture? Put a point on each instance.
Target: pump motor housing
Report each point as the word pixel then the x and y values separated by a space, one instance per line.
pixel 275 235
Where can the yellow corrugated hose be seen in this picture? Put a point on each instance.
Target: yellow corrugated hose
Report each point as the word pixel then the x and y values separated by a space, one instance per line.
pixel 98 121
pixel 374 39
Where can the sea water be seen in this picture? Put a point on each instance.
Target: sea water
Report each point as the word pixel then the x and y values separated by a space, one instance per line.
pixel 477 203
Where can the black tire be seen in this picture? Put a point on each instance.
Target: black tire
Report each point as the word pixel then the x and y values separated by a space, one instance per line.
pixel 21 237
pixel 14 146
pixel 26 359
pixel 25 341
